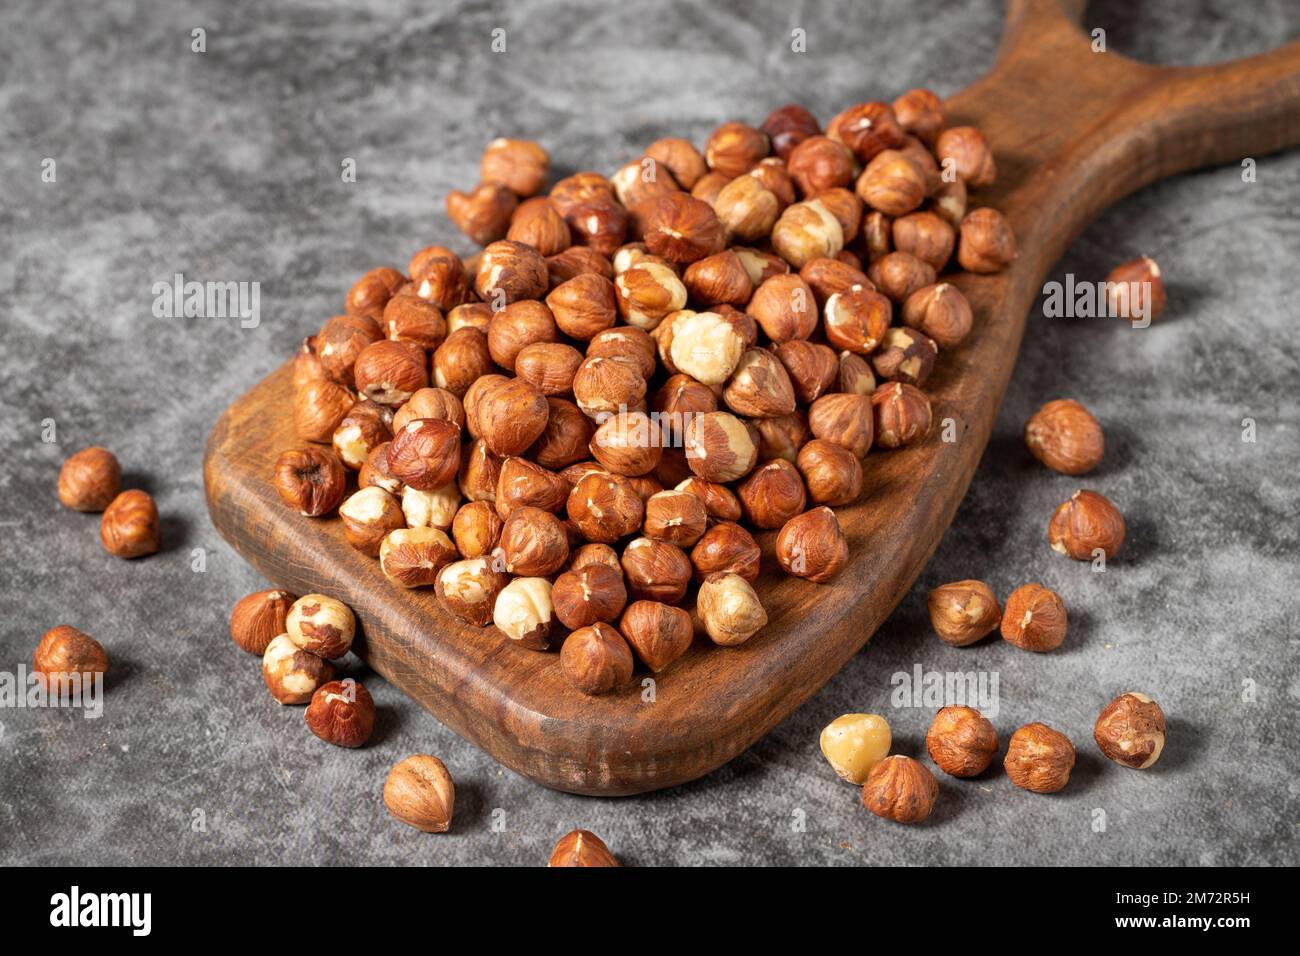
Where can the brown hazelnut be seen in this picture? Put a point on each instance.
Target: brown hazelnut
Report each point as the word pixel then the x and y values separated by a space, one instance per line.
pixel 1034 618
pixel 719 448
pixel 259 618
pixel 461 360
pixel 364 428
pixel 581 848
pixel 680 158
pixel 517 326
pixel 719 278
pixel 595 553
pixel 927 236
pixel 1131 731
pixel 847 209
pixel 760 386
pixel 605 507
pixel 920 156
pixel 831 473
pixel 1039 759
pixel 310 480
pixel 707 188
pixel 409 318
pixel 829 276
pixel 550 366
pixel 855 376
pixel 628 443
pixel 656 570
pixel 734 149
pixel 905 355
pixel 642 180
pixel 584 305
pixel 579 188
pixel 965 150
pixel 476 529
pixel 511 416
pixel 596 659
pixel 588 595
pixel 538 223
pixel 341 340
pixel 963 612
pixel 681 228
pixel 480 472
pixel 90 479
pixel 647 292
pixel 600 224
pixel 949 202
pixel 899 274
pixel 306 364
pixel 820 163
pixel 902 414
pixel 412 557
pixel 891 184
pixel 341 713
pixel 866 128
pixel 678 517
pixel 374 472
pixel 772 494
pixel 510 271
pixel 291 673
pixel 961 741
pixel 729 548
pixel 633 344
pixel 420 793
pixel 843 419
pixel 66 659
pixel 430 403
pixel 941 312
pixel 877 234
pixel 900 789
pixel 566 436
pixel 747 209
pixel 920 113
pixel 1085 524
pixel 812 367
pixel 533 542
pixel 720 502
pixel 130 525
pixel 1136 290
pixel 729 609
pixel 657 633
pixel 1065 437
pixel 807 230
pixel 520 165
pixel 469 589
pixel 425 454
pixel 760 265
pixel 484 213
pixel 676 400
pixel 442 281
pixel 987 242
pixel 321 625
pixel 318 407
pixel 789 126
pixel 371 292
pixel 388 371
pixel 785 307
pixel 858 319
pixel 573 262
pixel 812 546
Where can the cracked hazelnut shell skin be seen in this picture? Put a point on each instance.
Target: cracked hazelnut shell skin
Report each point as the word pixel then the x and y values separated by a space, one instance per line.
pixel 1131 730
pixel 964 612
pixel 90 479
pixel 341 713
pixel 1039 759
pixel 961 741
pixel 1086 523
pixel 1065 437
pixel 581 848
pixel 900 789
pixel 130 527
pixel 1034 619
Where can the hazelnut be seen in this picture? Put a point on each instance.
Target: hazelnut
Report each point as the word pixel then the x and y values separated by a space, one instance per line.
pixel 902 414
pixel 533 542
pixel 963 612
pixel 1034 618
pixel 374 473
pixel 364 428
pixel 633 344
pixel 425 454
pixel 747 209
pixel 412 557
pixel 419 792
pixel 600 224
pixel 891 184
pixel 469 589
pixel 520 165
pixel 389 371
pixel 877 234
pixel 517 326
pixel 855 743
pixel 523 612
pixel 760 265
pixel 1084 525
pixel 941 312
pixel 920 156
pixel 807 230
pixel 409 318
pixel 578 189
pixel 1136 290
pixel 719 448
pixel 820 163
pixel 480 471
pixel 595 553
pixel 781 437
pixel 657 633
pixel 706 346
pixel 772 494
pixel 259 618
pixel 720 502
pixel 628 444
pixel 786 308
pixel 584 305
pixel 899 274
pixel 1065 437
pixel 1039 759
pixel 681 228
pixel 844 420
pixel 565 439
pixel 812 546
pixel 760 386
pixel 829 276
pixel 858 319
pixel 677 517
pixel 961 741
pixel 371 292
pixel 430 403
pixel 812 367
pixel 461 360
pixel 341 713
pixel 476 529
pixel 719 279
pixel 647 292
pixel 726 548
pixel 642 180
pixel 927 236
pixel 291 673
pixel 789 126
pixel 1131 731
pixel 596 659
pixel 987 242
pixel 734 149
pixel 66 659
pixel 707 188
pixel 510 271
pixel 905 355
pixel 899 788
pixel 130 526
pixel 656 570
pixel 729 609
pixel 831 473
pixel 431 509
pixel 321 625
pixel 920 113
pixel 90 479
pixel 854 375
pixel 306 364
pixel 550 366
pixel 581 848
pixel 511 416
pixel 966 150
pixel 847 209
pixel 470 315
pixel 680 158
pixel 866 128
pixel 677 399
pixel 949 202
pixel 319 407
pixel 310 480
pixel 341 340
pixel 441 280
pixel 588 595
pixel 484 213
pixel 604 507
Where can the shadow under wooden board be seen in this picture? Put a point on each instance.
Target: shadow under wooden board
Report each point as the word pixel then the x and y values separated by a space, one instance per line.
pixel 1073 131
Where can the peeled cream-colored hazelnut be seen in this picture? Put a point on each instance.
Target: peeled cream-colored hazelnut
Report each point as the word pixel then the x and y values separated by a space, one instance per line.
pixel 523 612
pixel 854 743
pixel 706 347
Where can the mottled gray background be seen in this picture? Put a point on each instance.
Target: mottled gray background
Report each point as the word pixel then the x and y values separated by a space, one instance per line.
pixel 226 165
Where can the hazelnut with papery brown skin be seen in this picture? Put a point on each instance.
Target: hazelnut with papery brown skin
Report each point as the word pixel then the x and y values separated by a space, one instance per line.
pixel 647 292
pixel 341 713
pixel 733 149
pixel 900 789
pixel 517 326
pixel 603 386
pixel 595 553
pixel 90 479
pixel 677 517
pixel 656 570
pixel 581 848
pixel 941 311
pixel 772 494
pixel 949 202
pixel 642 180
pixel 680 158
pixel 820 163
pixel 848 210
pixel 480 472
pixel 596 659
pixel 318 407
pixel 961 741
pixel 812 367
pixel 442 281
pixel 371 292
pixel 1065 437
pixel 657 633
pixel 130 527
pixel 843 419
pixel 729 609
pixel 419 792
pixel 510 415
pixel 339 342
pixel 291 673
pixel 430 403
pixel 374 472
pixel 968 153
pixel 789 126
pixel 1131 730
pixel 856 320
pixel 760 265
pixel 550 366
pixel 805 231
pixel 469 589
pixel 920 112
pixel 258 618
pixel 476 529
pixel 760 387
pixel 747 209
pixel 601 224
pixel 786 308
pixel 782 437
pixel 409 318
pixel 579 188
pixel 866 129
pixel 831 473
pixel 628 444
pixel 510 271
pixel 1086 524
pixel 425 454
pixel 1039 759
pixel 964 612
pixel 681 228
pixel 588 596
pixel 310 480
pixel 533 543
pixel 321 625
pixel 891 184
pixel 927 236
pixel 987 243
pixel 605 507
pixel 1034 619
pixel 899 274
pixel 905 355
pixel 1135 290
pixel 720 501
pixel 584 305
pixel 855 376
pixel 388 371
pixel 520 165
pixel 678 398
pixel 633 344
pixel 812 546
pixel 461 360
pixel 63 652
pixel 902 415
pixel 566 436
pixel 306 364
pixel 364 428
pixel 719 447
pixel 412 557
pixel 726 548
pixel 719 278
pixel 484 213
pixel 826 277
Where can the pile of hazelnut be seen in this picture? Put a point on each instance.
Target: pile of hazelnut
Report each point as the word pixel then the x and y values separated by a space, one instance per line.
pixel 573 431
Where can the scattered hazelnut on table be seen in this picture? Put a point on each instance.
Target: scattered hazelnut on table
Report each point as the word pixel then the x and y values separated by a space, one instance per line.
pixel 483 213
pixel 461 360
pixel 898 275
pixel 510 271
pixel 425 454
pixel 605 507
pixel 258 618
pixel 291 673
pixel 785 307
pixel 321 625
pixel 596 659
pixel 476 529
pixel 419 792
pixel 747 209
pixel 628 444
pixel 677 517
pixel 524 612
pixel 130 525
pixel 853 744
pixel 1131 730
pixel 726 547
pixel 681 228
pixel 812 546
pixel 520 324
pixel 961 741
pixel 891 184
pixel 857 319
pixel 374 473
pixel 657 633
pixel 963 612
pixel 538 223
pixel 845 420
pixel 469 589
pixel 584 305
pixel 1150 296
pixel 730 609
pixel 534 543
pixel 549 366
pixel 339 342
pixel 581 848
pixel 90 479
pixel 522 484
pixel 389 372
pixel 409 318
pixel 1034 618
pixel 605 385
pixel 805 231
pixel 680 158
pixel 341 713
pixel 854 375
pixel 1039 759
pixel 720 502
pixel 1065 437
pixel 905 355
pixel 901 789
pixel 64 651
pixel 371 292
pixel 1085 524
pixel 412 557
pixel 310 480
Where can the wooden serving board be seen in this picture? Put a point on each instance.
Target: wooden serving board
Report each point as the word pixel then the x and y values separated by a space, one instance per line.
pixel 1073 131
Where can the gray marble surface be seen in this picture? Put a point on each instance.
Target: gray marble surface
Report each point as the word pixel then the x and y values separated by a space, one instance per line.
pixel 226 165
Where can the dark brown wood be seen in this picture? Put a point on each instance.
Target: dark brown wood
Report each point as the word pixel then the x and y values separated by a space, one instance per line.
pixel 1073 132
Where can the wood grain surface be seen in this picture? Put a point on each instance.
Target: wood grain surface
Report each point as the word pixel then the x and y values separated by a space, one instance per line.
pixel 1073 131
